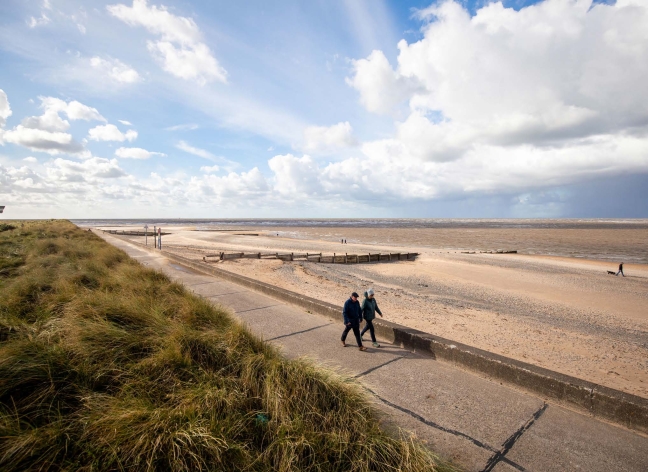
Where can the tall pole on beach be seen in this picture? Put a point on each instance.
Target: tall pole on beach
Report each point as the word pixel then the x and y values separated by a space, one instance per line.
pixel 154 237
pixel 145 235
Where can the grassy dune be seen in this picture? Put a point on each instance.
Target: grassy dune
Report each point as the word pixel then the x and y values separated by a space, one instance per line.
pixel 107 365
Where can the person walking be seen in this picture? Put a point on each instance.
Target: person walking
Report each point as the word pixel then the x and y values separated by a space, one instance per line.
pixel 352 317
pixel 620 270
pixel 369 309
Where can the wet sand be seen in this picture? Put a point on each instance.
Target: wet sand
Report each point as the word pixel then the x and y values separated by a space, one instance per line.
pixel 563 313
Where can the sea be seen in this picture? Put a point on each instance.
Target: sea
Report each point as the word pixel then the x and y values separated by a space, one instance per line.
pixel 587 223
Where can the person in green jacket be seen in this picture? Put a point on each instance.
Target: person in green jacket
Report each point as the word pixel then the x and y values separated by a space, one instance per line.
pixel 369 309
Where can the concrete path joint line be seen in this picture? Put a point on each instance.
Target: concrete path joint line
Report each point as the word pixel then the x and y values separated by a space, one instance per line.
pixel 229 293
pixel 476 442
pixel 297 332
pixel 432 424
pixel 379 366
pixel 260 308
pixel 510 442
pixel 201 283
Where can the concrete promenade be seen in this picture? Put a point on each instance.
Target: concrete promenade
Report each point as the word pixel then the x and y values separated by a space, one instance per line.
pixel 479 424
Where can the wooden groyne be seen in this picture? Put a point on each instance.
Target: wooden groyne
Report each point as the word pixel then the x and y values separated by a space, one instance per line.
pixel 131 233
pixel 334 258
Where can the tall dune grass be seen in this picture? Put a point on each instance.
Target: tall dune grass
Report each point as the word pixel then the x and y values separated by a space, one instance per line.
pixel 106 365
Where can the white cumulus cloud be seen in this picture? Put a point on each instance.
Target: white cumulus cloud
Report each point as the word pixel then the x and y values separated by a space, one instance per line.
pixel 93 168
pixel 84 187
pixel 42 140
pixel 110 132
pixel 52 107
pixel 48 121
pixel 159 21
pixel 194 63
pixel 387 171
pixel 136 153
pixel 46 133
pixel 505 101
pixel 43 19
pixel 5 109
pixel 209 169
pixel 180 49
pixel 296 176
pixel 73 109
pixel 116 70
pixel 40 21
pixel 249 185
pixel 381 88
pixel 552 71
pixel 328 138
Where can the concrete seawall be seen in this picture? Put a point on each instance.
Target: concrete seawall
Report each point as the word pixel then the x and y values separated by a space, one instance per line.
pixel 626 409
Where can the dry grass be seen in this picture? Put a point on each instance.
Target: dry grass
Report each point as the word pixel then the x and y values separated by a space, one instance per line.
pixel 106 365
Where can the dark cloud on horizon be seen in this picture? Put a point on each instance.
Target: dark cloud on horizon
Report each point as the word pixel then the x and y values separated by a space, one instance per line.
pixel 624 196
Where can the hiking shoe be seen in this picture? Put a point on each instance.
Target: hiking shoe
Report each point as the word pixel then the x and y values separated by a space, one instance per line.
pixel 376 345
pixel 362 348
pixel 343 343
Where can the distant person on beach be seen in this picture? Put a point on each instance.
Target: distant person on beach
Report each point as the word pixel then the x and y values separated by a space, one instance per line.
pixel 352 317
pixel 620 270
pixel 369 309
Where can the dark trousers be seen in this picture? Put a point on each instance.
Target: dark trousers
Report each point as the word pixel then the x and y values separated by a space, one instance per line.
pixel 355 326
pixel 369 327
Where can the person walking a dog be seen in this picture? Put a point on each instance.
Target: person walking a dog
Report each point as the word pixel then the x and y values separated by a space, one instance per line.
pixel 352 314
pixel 369 309
pixel 620 270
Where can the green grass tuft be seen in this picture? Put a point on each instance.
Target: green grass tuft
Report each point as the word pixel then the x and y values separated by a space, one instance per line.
pixel 106 365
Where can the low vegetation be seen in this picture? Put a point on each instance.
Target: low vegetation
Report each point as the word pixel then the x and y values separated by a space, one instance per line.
pixel 106 365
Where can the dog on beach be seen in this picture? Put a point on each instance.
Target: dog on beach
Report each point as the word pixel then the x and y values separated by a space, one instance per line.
pixel 611 272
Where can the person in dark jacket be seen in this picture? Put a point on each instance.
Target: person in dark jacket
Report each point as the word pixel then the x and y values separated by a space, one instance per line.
pixel 620 270
pixel 369 308
pixel 352 317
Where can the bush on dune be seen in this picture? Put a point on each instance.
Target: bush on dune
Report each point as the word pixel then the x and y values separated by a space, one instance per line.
pixel 106 365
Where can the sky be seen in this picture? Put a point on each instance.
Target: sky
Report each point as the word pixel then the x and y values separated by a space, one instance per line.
pixel 323 108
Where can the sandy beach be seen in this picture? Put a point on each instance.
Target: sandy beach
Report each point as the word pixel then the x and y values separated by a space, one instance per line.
pixel 563 313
